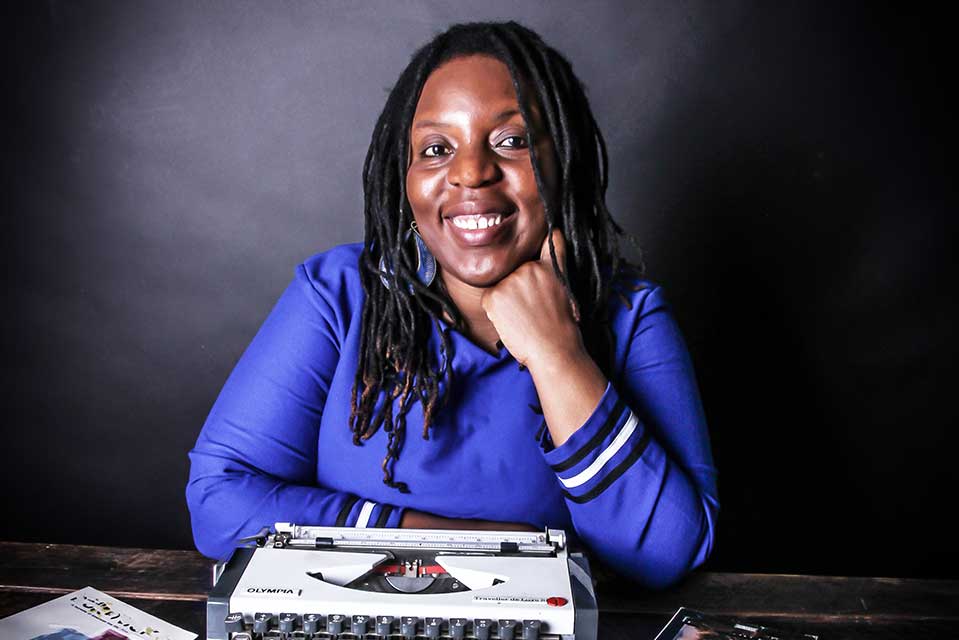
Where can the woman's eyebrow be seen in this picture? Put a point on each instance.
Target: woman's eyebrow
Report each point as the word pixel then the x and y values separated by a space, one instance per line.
pixel 503 115
pixel 509 113
pixel 430 123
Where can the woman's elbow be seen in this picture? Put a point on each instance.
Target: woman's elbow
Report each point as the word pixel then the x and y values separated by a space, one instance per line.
pixel 664 555
pixel 680 551
pixel 208 521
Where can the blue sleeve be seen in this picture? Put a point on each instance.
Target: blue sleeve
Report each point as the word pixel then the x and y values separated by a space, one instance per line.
pixel 638 476
pixel 254 463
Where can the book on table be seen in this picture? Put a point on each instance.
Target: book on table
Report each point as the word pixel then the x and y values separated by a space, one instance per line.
pixel 88 614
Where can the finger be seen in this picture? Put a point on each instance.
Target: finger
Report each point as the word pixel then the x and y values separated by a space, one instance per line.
pixel 559 247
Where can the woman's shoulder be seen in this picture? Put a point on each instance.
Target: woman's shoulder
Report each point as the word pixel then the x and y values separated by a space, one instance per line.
pixel 632 294
pixel 333 276
pixel 339 260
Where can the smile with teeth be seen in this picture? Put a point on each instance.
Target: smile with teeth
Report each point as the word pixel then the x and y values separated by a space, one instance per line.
pixel 480 221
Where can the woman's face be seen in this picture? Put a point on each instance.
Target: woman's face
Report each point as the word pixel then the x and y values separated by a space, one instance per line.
pixel 470 181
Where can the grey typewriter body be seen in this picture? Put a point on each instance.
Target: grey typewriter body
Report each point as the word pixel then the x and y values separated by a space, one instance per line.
pixel 335 583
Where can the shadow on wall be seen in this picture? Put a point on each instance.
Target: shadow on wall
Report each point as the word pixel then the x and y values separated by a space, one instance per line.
pixel 802 255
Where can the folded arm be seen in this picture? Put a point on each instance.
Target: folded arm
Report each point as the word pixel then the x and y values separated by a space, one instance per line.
pixel 254 463
pixel 636 471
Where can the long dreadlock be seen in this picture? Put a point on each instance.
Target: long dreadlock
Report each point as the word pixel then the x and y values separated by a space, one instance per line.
pixel 397 363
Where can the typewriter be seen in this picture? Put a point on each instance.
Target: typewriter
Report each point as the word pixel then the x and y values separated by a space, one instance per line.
pixel 336 583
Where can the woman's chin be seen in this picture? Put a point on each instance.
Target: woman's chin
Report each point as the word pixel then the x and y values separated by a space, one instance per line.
pixel 480 279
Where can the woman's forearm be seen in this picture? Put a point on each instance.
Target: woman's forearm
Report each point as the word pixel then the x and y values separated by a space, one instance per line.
pixel 569 385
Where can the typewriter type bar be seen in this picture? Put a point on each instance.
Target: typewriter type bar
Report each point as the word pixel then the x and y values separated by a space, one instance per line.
pixel 306 537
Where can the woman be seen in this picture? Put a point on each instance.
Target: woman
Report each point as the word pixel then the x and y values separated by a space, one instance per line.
pixel 487 309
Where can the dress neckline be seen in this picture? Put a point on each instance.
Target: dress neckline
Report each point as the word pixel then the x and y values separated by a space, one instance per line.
pixel 461 338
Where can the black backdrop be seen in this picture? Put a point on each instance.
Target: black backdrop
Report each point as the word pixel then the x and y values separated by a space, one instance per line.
pixel 783 165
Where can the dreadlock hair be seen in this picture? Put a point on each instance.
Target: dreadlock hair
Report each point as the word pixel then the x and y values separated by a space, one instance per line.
pixel 397 362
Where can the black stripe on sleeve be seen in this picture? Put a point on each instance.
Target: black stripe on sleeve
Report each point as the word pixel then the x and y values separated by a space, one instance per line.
pixel 385 511
pixel 614 474
pixel 611 421
pixel 345 511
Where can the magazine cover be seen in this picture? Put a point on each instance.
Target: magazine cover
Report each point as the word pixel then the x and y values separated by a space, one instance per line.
pixel 88 614
pixel 687 624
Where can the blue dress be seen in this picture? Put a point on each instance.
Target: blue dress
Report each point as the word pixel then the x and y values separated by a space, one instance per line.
pixel 636 483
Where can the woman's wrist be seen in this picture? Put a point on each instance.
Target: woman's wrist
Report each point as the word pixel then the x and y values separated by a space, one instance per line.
pixel 569 385
pixel 547 363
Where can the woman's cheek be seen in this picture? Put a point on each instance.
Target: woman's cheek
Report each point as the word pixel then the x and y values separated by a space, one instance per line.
pixel 423 187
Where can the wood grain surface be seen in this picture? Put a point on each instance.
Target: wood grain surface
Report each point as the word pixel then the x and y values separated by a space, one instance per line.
pixel 173 585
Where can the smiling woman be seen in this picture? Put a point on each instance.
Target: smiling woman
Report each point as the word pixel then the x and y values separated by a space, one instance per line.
pixel 470 182
pixel 552 386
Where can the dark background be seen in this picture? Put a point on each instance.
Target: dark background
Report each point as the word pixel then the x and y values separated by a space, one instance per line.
pixel 783 165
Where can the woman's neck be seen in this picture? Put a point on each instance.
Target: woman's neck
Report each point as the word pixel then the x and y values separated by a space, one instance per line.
pixel 469 301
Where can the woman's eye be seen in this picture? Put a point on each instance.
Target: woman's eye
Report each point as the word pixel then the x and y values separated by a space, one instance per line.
pixel 514 142
pixel 435 150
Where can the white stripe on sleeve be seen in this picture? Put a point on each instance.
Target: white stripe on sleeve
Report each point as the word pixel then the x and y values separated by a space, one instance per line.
pixel 589 472
pixel 363 520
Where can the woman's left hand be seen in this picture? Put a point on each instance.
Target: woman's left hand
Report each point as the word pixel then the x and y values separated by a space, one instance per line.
pixel 535 319
pixel 537 323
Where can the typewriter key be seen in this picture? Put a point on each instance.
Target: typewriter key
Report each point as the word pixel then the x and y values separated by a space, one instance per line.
pixel 234 623
pixel 262 622
pixel 457 628
pixel 311 622
pixel 408 627
pixel 360 624
pixel 506 629
pixel 531 629
pixel 288 621
pixel 481 628
pixel 433 628
pixel 384 624
pixel 334 623
pixel 241 636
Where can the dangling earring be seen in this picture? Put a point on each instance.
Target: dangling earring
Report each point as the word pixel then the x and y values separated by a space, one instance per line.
pixel 425 262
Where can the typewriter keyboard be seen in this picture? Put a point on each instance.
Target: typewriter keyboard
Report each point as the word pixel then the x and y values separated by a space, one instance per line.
pixel 314 626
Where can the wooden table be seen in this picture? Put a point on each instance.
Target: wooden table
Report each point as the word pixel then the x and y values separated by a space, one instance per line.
pixel 173 584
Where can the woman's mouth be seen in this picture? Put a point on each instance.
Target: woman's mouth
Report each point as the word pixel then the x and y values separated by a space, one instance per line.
pixel 478 229
pixel 481 221
pixel 476 223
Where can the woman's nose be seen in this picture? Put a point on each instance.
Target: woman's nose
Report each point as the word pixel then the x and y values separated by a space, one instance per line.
pixel 473 167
